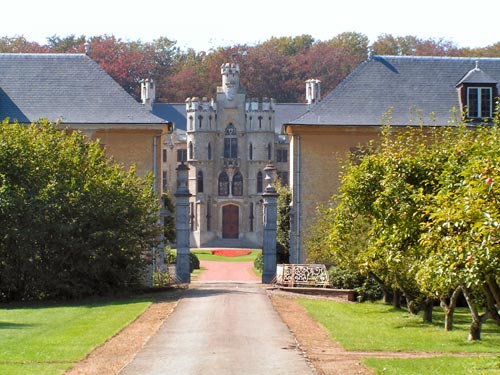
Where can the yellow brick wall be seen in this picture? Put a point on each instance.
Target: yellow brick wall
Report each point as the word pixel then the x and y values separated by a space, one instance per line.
pixel 133 146
pixel 316 153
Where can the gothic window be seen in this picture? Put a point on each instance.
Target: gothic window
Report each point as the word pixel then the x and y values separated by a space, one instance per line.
pixel 200 121
pixel 237 186
pixel 259 182
pixel 230 143
pixel 199 182
pixel 260 121
pixel 223 184
pixel 250 152
pixel 269 151
pixel 209 151
pixel 191 151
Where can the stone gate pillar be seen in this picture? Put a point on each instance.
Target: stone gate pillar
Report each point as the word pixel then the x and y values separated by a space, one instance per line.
pixel 182 224
pixel 270 219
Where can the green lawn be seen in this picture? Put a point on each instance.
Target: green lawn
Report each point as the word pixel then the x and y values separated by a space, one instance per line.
pixel 207 255
pixel 48 339
pixel 379 327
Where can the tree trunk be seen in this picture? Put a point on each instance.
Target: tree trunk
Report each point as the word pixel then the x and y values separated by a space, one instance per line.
pixel 396 302
pixel 477 320
pixel 491 304
pixel 428 305
pixel 475 330
pixel 449 309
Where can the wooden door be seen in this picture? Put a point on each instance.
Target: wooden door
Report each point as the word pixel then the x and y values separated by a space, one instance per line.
pixel 230 221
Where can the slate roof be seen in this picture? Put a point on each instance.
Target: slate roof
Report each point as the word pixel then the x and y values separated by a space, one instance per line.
pixel 176 112
pixel 405 83
pixel 68 87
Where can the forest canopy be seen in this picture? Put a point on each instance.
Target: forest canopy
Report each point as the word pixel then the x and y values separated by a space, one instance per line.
pixel 276 68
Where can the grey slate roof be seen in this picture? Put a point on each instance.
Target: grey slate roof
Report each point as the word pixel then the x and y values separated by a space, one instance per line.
pixel 176 112
pixel 68 87
pixel 405 83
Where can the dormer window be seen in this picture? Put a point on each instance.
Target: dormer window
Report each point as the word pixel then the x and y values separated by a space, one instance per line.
pixel 477 91
pixel 479 102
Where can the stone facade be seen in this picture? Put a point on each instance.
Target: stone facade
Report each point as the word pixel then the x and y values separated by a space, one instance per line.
pixel 227 144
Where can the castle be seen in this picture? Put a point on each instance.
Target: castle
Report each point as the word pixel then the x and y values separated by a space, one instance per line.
pixel 227 142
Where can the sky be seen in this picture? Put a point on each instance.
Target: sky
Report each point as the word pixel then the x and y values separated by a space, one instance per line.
pixel 205 25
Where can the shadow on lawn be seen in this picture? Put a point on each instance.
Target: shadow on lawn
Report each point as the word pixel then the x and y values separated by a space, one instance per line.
pixel 9 325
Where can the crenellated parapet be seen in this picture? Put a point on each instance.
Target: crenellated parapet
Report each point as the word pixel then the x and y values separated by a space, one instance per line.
pixel 201 113
pixel 259 114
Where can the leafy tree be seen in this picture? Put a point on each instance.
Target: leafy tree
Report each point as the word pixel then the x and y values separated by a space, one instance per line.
pixel 69 44
pixel 72 223
pixel 283 222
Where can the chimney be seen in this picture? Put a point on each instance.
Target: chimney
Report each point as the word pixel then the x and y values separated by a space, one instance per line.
pixel 148 89
pixel 313 91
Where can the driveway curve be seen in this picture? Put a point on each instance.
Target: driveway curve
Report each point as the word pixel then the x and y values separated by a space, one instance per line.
pixel 222 328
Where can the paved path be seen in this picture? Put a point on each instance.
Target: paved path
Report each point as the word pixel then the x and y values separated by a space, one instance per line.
pixel 228 271
pixel 222 328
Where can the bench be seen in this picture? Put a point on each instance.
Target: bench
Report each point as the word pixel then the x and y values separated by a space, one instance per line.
pixel 307 275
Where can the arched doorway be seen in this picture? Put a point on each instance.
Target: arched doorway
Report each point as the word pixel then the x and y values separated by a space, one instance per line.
pixel 230 221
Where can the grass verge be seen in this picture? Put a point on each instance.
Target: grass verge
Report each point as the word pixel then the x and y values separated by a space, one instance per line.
pixel 379 327
pixel 49 338
pixel 208 256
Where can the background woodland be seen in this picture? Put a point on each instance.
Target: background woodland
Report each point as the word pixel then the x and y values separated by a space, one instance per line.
pixel 276 68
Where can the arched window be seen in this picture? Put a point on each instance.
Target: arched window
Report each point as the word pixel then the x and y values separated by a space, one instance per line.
pixel 199 182
pixel 269 151
pixel 237 187
pixel 191 151
pixel 259 182
pixel 209 151
pixel 223 184
pixel 230 142
pixel 200 121
pixel 250 152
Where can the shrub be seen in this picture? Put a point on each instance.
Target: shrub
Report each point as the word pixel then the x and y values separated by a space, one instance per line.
pixel 194 262
pixel 366 288
pixel 72 223
pixel 258 263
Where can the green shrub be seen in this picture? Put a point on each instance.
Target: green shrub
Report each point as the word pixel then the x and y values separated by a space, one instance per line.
pixel 194 262
pixel 258 263
pixel 366 288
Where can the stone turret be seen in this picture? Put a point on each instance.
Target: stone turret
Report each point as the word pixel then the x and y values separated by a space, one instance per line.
pixel 201 114
pixel 260 114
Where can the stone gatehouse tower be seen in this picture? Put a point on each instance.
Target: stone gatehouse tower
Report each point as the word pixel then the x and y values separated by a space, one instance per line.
pixel 229 142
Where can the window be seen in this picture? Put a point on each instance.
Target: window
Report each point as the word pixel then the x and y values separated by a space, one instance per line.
pixel 479 101
pixel 200 121
pixel 199 182
pixel 223 184
pixel 269 151
pixel 209 151
pixel 230 143
pixel 191 151
pixel 259 182
pixel 164 151
pixel 250 152
pixel 181 155
pixel 237 187
pixel 164 180
pixel 282 156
